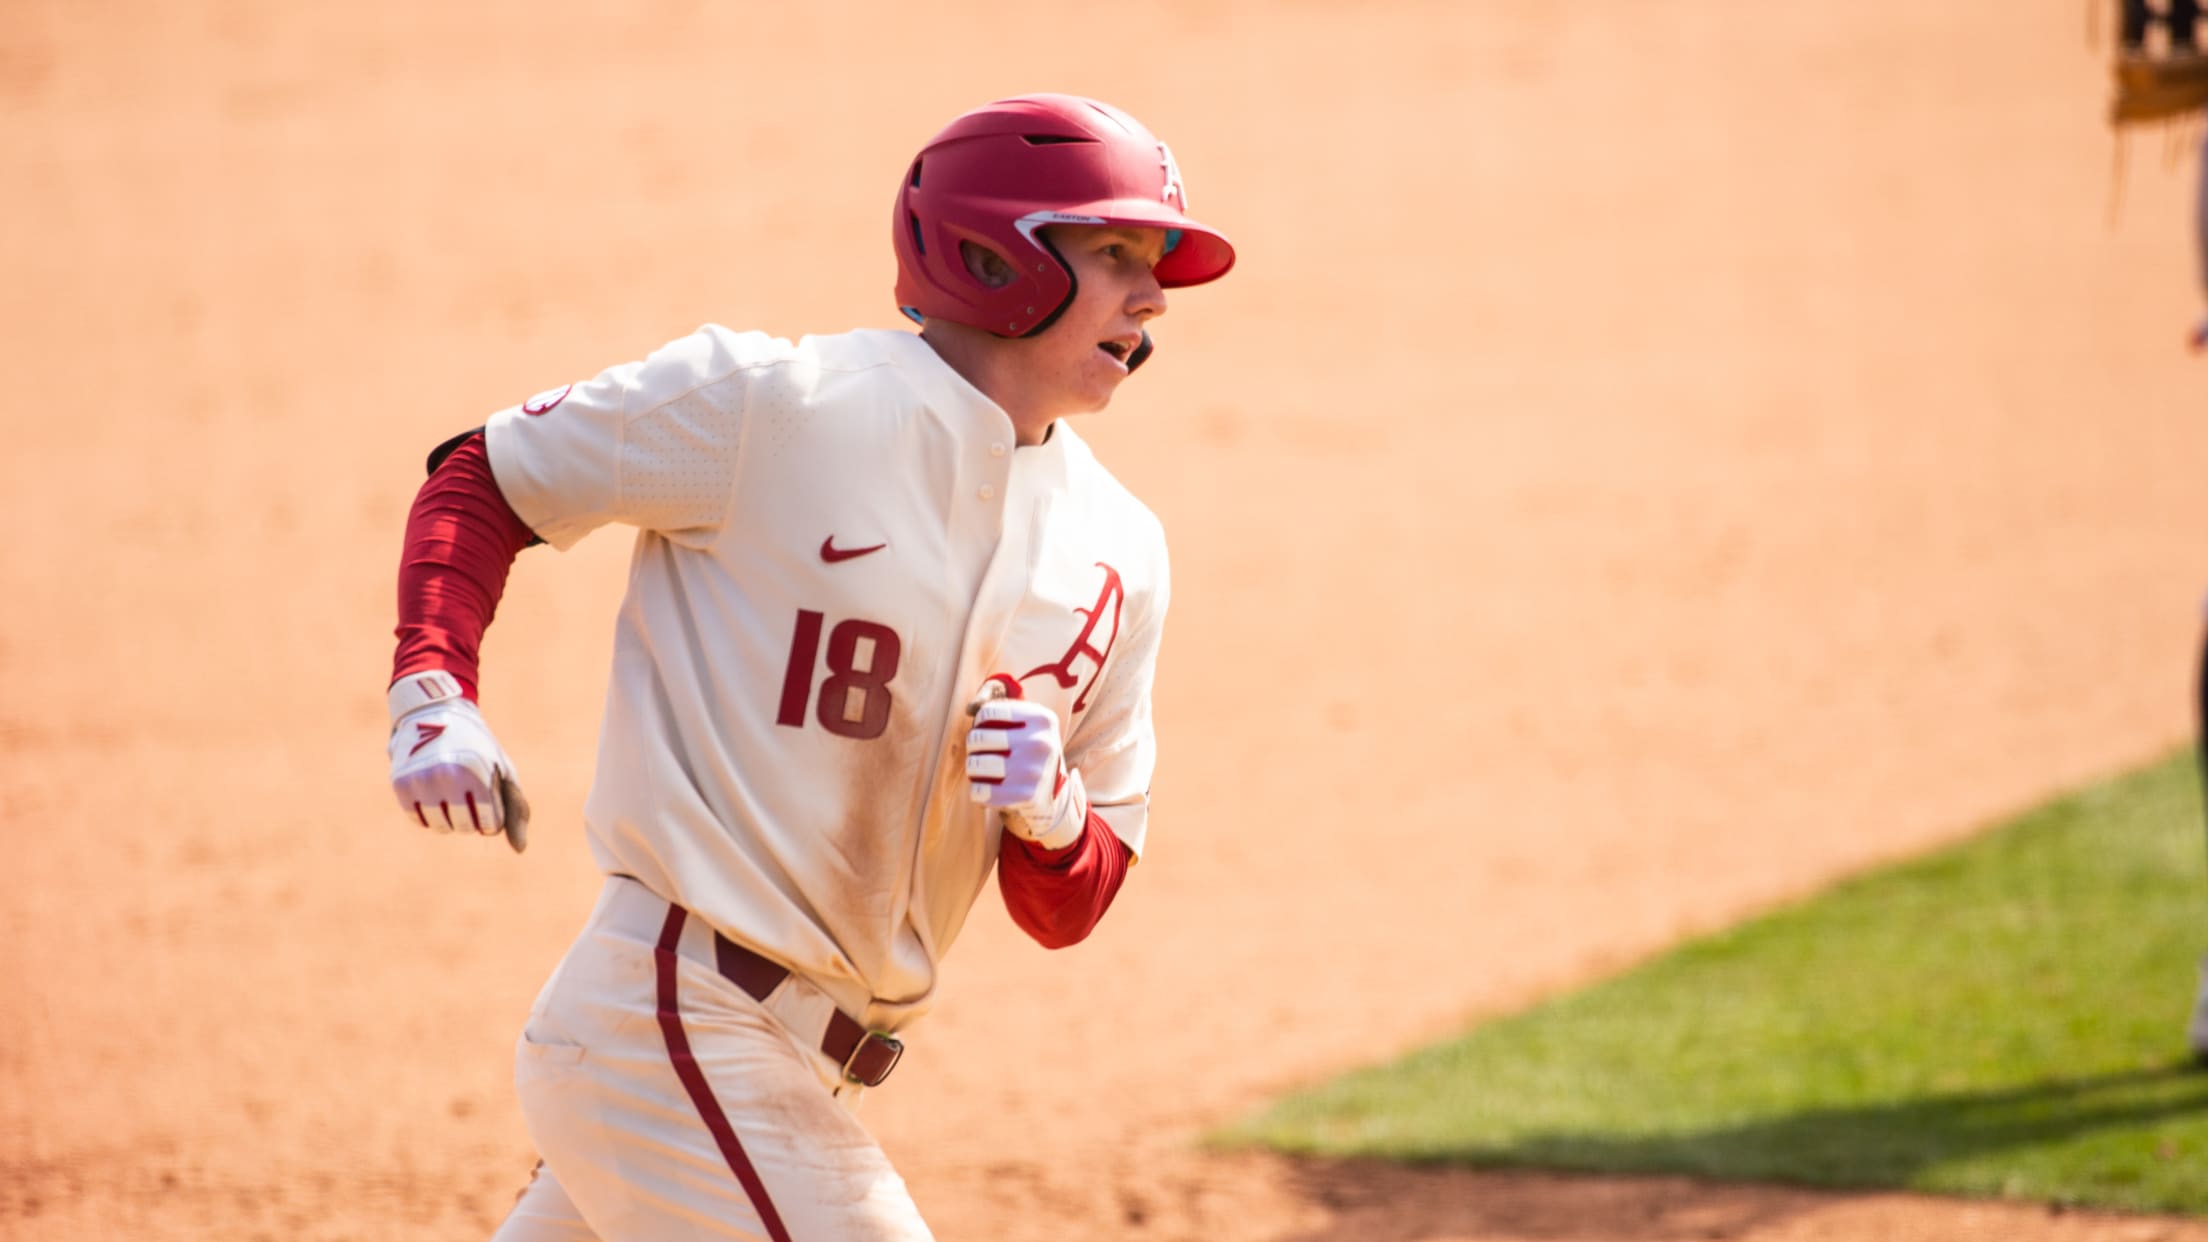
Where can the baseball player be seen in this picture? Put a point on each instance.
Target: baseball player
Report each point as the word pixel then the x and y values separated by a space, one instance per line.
pixel 889 627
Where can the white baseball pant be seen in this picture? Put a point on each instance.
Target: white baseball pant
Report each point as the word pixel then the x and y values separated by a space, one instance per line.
pixel 668 1104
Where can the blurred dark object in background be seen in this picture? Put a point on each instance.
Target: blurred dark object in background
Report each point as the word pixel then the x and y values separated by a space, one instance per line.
pixel 2156 79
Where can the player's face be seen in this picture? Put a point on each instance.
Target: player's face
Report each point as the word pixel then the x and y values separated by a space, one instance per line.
pixel 1078 362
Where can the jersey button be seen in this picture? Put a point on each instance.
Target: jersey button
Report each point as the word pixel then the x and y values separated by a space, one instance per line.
pixel 988 492
pixel 996 450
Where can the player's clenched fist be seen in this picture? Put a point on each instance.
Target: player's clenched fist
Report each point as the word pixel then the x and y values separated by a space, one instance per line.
pixel 446 769
pixel 1015 762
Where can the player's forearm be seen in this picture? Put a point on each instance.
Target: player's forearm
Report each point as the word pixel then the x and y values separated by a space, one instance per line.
pixel 461 541
pixel 1058 896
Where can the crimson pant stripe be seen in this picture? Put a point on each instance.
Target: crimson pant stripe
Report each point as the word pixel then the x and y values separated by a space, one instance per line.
pixel 693 1079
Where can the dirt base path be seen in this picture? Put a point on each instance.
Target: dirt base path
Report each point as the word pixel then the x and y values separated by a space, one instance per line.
pixel 1652 459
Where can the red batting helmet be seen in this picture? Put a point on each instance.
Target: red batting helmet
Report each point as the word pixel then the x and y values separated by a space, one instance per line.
pixel 998 174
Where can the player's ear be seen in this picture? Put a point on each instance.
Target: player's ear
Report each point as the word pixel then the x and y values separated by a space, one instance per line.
pixel 986 265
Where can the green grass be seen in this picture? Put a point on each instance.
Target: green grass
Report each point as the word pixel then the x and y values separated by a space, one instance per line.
pixel 2003 1018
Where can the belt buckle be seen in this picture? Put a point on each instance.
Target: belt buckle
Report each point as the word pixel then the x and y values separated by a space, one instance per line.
pixel 896 1053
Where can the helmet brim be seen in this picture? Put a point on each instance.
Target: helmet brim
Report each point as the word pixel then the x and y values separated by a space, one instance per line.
pixel 1202 255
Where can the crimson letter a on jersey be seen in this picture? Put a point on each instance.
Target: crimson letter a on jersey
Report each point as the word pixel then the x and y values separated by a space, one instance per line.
pixel 1066 669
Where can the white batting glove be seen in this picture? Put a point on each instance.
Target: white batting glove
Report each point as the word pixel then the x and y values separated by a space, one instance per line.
pixel 446 769
pixel 1015 762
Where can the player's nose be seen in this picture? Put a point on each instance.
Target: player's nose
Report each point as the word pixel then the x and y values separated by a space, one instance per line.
pixel 1146 300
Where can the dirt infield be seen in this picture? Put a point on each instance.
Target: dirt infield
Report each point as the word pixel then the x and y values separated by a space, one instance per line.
pixel 1651 459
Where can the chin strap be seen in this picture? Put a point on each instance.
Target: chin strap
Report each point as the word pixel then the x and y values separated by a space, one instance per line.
pixel 1141 354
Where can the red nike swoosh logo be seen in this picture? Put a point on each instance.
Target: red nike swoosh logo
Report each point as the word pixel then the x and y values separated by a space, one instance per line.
pixel 830 553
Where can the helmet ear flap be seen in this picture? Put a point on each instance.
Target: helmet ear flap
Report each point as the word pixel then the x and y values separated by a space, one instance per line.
pixel 1073 282
pixel 1033 275
pixel 986 264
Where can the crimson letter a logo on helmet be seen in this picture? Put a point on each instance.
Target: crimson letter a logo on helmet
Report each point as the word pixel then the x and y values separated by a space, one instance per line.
pixel 1174 192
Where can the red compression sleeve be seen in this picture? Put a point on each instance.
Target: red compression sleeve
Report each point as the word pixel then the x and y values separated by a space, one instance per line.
pixel 461 540
pixel 1058 896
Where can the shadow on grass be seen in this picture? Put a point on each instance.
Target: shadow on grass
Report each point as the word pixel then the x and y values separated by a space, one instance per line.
pixel 1872 1145
pixel 1379 1201
pixel 1702 1184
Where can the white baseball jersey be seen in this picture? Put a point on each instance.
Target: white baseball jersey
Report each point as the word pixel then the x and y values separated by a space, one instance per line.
pixel 839 543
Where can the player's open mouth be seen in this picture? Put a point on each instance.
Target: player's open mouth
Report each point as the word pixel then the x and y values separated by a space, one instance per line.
pixel 1120 349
